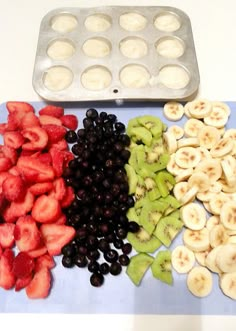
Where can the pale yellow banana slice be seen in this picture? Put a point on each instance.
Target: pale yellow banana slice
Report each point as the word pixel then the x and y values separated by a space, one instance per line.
pixel 208 136
pixel 222 148
pixel 221 131
pixel 192 127
pixel 216 118
pixel 184 175
pixel 217 202
pixel 197 241
pixel 207 206
pixel 231 240
pixel 205 154
pixel 225 258
pixel 228 164
pixel 189 196
pixel 225 187
pixel 199 180
pixel 228 215
pixel 172 166
pixel 187 157
pixel 188 142
pixel 218 236
pixel 200 282
pixel 215 187
pixel 228 284
pixel 180 189
pixel 211 260
pixel 212 168
pixel 230 133
pixel 177 131
pixel 170 142
pixel 200 108
pixel 182 259
pixel 212 222
pixel 193 216
pixel 186 109
pixel 201 257
pixel 222 106
pixel 173 110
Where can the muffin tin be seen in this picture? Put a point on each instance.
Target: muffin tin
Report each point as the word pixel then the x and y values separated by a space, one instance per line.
pixel 114 52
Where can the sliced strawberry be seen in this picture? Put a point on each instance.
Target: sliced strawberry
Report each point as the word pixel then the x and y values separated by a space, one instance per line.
pixel 14 121
pixel 37 137
pixel 45 158
pixel 13 139
pixel 41 188
pixel 3 202
pixel 13 188
pixel 22 282
pixel 23 265
pixel 52 111
pixel 41 250
pixel 61 145
pixel 22 107
pixel 10 153
pixel 26 234
pixel 39 286
pixel 68 197
pixel 56 236
pixel 5 164
pixel 47 119
pixel 7 235
pixel 68 156
pixel 34 170
pixel 14 171
pixel 3 128
pixel 55 132
pixel 7 278
pixel 1 251
pixel 59 189
pixel 44 261
pixel 69 121
pixel 29 120
pixel 61 220
pixel 46 209
pixel 3 176
pixel 57 161
pixel 18 208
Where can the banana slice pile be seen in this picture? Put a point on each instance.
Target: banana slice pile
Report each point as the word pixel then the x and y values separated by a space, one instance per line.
pixel 203 161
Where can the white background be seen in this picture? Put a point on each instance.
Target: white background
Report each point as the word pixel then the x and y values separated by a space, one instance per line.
pixel 214 30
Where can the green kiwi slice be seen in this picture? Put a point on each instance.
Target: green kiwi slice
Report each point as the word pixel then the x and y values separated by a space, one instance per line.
pixel 138 266
pixel 165 182
pixel 132 178
pixel 141 134
pixel 154 194
pixel 173 204
pixel 150 215
pixel 143 242
pixel 161 267
pixel 152 123
pixel 132 215
pixel 167 229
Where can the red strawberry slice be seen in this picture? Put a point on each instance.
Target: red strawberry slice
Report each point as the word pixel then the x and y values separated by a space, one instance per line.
pixel 56 236
pixel 39 286
pixel 13 188
pixel 22 282
pixel 57 161
pixel 47 119
pixel 45 158
pixel 5 164
pixel 68 156
pixel 7 235
pixel 34 170
pixel 68 197
pixel 55 132
pixel 1 251
pixel 41 188
pixel 61 220
pixel 52 111
pixel 37 137
pixel 46 209
pixel 69 121
pixel 38 251
pixel 13 139
pixel 3 202
pixel 61 145
pixel 10 153
pixel 3 128
pixel 7 278
pixel 14 171
pixel 59 189
pixel 20 106
pixel 29 120
pixel 14 121
pixel 44 261
pixel 3 176
pixel 23 265
pixel 26 234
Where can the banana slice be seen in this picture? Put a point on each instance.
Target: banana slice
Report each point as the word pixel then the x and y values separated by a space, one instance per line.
pixel 217 202
pixel 172 166
pixel 192 127
pixel 215 187
pixel 222 148
pixel 182 259
pixel 193 216
pixel 212 222
pixel 201 257
pixel 187 157
pixel 170 142
pixel 211 260
pixel 184 175
pixel 200 108
pixel 200 282
pixel 216 118
pixel 225 187
pixel 188 142
pixel 200 181
pixel 177 131
pixel 218 236
pixel 208 136
pixel 228 284
pixel 228 164
pixel 231 240
pixel 222 106
pixel 230 133
pixel 197 241
pixel 225 259
pixel 173 110
pixel 207 207
pixel 212 168
pixel 186 109
pixel 205 154
pixel 228 215
pixel 180 189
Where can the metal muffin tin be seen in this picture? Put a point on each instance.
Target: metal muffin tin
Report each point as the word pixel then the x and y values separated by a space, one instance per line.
pixel 115 61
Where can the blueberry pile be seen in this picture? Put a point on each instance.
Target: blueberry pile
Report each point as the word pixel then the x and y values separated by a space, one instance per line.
pixel 98 213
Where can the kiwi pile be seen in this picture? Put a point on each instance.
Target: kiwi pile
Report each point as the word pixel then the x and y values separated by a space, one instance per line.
pixel 156 210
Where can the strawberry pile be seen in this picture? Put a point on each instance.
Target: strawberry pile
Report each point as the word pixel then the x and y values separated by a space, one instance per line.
pixel 33 195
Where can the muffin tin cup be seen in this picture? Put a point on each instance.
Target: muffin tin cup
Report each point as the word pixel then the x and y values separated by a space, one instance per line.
pixel 115 61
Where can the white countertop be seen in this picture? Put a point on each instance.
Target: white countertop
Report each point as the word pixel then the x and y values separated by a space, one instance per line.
pixel 214 26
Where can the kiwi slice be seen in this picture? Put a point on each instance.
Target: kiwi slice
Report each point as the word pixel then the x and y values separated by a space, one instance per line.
pixel 141 202
pixel 132 178
pixel 133 160
pixel 151 160
pixel 154 194
pixel 132 215
pixel 152 123
pixel 143 242
pixel 157 146
pixel 133 123
pixel 138 266
pixel 140 191
pixel 173 204
pixel 161 267
pixel 150 215
pixel 165 182
pixel 167 229
pixel 141 134
pixel 175 214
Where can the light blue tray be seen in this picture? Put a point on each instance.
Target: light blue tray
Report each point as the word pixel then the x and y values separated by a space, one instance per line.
pixel 71 291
